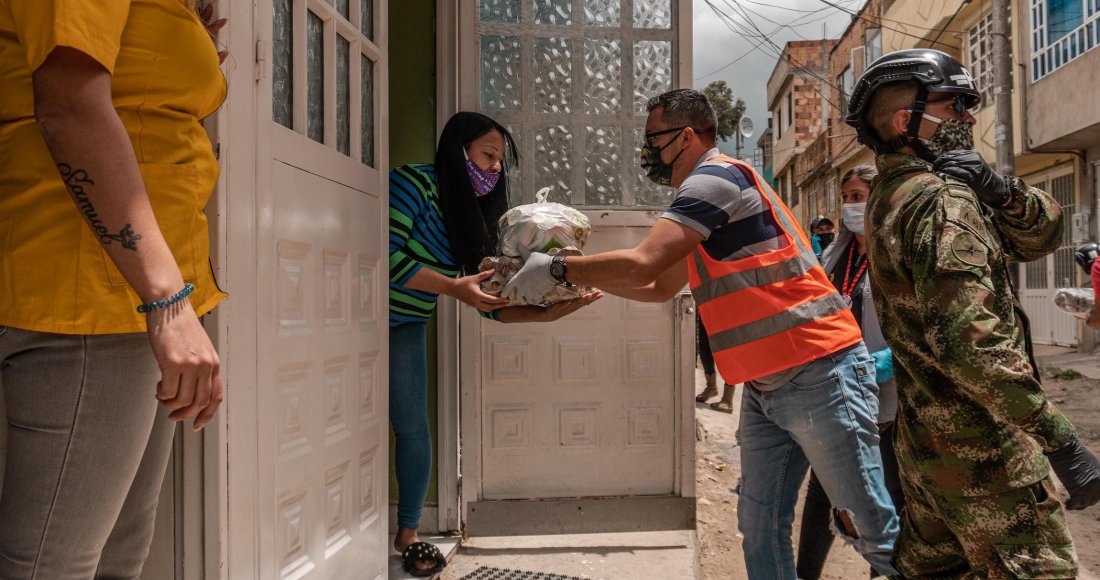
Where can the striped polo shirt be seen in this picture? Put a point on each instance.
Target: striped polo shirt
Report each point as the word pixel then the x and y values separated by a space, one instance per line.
pixel 719 201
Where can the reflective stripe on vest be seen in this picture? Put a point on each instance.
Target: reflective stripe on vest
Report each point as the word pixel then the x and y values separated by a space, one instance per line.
pixel 772 311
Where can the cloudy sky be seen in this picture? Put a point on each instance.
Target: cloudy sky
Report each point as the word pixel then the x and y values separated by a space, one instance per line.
pixel 715 45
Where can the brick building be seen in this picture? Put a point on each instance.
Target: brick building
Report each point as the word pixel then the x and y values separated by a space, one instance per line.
pixel 797 107
pixel 858 46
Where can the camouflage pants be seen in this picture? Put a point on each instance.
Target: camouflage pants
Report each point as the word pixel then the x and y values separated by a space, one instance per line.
pixel 1021 533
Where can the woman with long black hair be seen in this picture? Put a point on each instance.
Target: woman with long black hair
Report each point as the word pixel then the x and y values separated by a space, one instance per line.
pixel 443 221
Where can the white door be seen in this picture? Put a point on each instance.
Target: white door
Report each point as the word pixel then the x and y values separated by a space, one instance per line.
pixel 598 404
pixel 307 424
pixel 1043 277
pixel 585 406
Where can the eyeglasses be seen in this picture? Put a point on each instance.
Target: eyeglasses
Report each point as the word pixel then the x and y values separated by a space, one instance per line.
pixel 958 104
pixel 649 136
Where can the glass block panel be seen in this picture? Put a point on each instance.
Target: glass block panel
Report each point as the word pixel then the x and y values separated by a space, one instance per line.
pixel 603 77
pixel 315 77
pixel 553 11
pixel 646 193
pixel 553 161
pixel 366 111
pixel 553 66
pixel 603 166
pixel 343 95
pixel 498 10
pixel 282 65
pixel 366 18
pixel 500 70
pixel 652 70
pixel 344 8
pixel 601 13
pixel 653 14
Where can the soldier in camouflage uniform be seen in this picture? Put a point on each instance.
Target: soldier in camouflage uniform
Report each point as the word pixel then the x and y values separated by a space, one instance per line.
pixel 974 429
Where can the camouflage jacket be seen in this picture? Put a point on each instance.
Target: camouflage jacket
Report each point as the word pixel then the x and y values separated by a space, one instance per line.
pixel 973 418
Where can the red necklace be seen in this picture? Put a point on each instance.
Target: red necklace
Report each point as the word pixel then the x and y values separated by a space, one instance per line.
pixel 847 288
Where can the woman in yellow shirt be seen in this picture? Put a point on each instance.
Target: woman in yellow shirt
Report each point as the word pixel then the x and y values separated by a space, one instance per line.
pixel 104 173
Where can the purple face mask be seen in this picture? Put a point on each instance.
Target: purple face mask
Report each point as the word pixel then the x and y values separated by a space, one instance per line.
pixel 483 181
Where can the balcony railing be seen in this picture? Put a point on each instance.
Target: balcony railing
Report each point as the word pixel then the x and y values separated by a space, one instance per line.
pixel 1064 50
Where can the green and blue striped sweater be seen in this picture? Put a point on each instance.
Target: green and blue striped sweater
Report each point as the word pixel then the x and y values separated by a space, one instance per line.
pixel 418 239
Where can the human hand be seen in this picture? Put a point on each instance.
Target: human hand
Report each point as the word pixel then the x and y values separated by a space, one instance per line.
pixel 1079 471
pixel 206 13
pixel 468 289
pixel 533 280
pixel 563 309
pixel 967 166
pixel 191 381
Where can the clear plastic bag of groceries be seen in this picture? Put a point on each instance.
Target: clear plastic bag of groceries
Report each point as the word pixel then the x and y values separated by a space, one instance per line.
pixel 542 226
pixel 1075 301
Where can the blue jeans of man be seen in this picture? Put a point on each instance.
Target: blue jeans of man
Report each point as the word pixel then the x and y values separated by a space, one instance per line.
pixel 823 417
pixel 409 418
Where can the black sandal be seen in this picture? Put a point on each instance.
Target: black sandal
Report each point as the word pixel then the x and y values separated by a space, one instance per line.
pixel 422 552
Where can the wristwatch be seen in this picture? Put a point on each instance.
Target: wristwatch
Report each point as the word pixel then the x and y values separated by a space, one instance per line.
pixel 558 269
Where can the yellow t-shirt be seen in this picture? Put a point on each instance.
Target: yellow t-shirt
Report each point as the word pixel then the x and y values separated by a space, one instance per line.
pixel 54 274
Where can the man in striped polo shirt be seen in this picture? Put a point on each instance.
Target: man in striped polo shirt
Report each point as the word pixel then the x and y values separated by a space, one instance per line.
pixel 775 323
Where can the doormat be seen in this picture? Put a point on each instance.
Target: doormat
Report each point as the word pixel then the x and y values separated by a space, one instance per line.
pixel 484 573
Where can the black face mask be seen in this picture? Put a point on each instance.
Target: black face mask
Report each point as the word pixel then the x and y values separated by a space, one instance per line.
pixel 825 239
pixel 656 170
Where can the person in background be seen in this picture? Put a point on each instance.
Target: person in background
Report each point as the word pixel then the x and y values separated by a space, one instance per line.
pixel 1086 258
pixel 104 272
pixel 774 323
pixel 443 221
pixel 976 435
pixel 706 357
pixel 822 230
pixel 845 261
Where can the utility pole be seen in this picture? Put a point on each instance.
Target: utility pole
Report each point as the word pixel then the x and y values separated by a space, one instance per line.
pixel 1002 87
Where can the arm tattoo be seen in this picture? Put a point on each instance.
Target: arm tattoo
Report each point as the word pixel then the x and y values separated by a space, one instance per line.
pixel 76 180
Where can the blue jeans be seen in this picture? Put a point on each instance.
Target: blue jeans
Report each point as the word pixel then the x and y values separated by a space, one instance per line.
pixel 409 418
pixel 825 418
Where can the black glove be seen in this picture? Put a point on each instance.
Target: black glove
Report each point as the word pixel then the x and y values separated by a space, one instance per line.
pixel 1078 469
pixel 967 166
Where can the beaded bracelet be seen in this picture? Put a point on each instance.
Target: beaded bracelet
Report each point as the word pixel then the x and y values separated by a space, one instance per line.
pixel 151 306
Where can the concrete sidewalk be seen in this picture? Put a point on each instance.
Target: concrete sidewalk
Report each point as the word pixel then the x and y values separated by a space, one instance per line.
pixel 1058 358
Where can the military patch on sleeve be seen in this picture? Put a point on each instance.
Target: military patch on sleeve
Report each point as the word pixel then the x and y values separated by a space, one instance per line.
pixel 966 248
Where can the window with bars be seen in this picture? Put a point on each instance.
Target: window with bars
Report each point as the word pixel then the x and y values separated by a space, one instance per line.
pixel 323 67
pixel 1061 31
pixel 570 79
pixel 980 56
pixel 830 196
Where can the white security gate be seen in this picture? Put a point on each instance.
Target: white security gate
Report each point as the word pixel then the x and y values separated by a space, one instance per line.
pixel 1042 277
pixel 307 403
pixel 597 405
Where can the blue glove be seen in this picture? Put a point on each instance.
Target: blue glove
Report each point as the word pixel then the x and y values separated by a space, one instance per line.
pixel 884 365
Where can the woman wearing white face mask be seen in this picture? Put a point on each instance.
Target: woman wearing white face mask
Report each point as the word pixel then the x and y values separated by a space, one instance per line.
pixel 846 264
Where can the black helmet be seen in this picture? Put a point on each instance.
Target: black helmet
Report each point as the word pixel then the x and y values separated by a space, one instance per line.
pixel 1086 255
pixel 931 70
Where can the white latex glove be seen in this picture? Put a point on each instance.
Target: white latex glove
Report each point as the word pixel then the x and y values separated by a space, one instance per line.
pixel 532 282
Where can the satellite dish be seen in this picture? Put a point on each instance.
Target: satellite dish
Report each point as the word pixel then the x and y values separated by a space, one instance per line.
pixel 745 127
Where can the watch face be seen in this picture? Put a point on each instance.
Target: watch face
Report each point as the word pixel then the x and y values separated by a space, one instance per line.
pixel 557 271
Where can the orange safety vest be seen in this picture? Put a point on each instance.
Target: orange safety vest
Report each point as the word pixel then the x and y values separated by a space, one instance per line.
pixel 770 312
